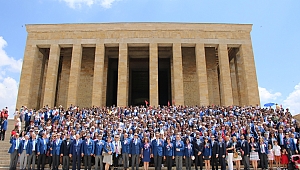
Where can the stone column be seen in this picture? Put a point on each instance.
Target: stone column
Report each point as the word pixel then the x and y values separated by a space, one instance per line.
pixel 234 82
pixel 225 80
pixel 74 74
pixel 28 68
pixel 202 75
pixel 153 74
pixel 98 76
pixel 247 64
pixel 122 93
pixel 51 77
pixel 177 75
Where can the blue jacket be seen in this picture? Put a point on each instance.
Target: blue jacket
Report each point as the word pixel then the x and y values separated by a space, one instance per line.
pixel 4 125
pixel 290 143
pixel 109 147
pixel 99 145
pixel 56 147
pixel 265 145
pixel 13 145
pixel 179 148
pixel 31 146
pixel 76 148
pixel 88 147
pixel 188 151
pixel 207 149
pixel 24 145
pixel 135 147
pixel 126 146
pixel 42 148
pixel 169 149
pixel 157 149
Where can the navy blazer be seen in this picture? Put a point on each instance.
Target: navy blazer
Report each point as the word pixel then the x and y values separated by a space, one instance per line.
pixel 99 145
pixel 75 148
pixel 188 150
pixel 169 149
pixel 265 145
pixel 88 147
pixel 222 149
pixel 157 149
pixel 207 149
pixel 245 147
pixel 4 125
pixel 135 148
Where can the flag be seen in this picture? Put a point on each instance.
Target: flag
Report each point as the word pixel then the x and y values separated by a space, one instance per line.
pixel 146 102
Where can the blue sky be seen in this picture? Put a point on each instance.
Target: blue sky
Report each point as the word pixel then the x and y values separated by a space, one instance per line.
pixel 275 34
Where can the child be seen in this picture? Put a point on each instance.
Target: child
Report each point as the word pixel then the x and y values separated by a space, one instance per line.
pixel 270 156
pixel 284 159
pixel 276 150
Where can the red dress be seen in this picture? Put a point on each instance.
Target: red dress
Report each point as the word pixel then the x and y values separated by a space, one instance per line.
pixel 284 158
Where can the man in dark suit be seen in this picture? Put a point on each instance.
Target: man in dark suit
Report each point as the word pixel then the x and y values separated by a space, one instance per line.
pixel 245 152
pixel 65 151
pixel 198 148
pixel 222 153
pixel 42 148
pixel 215 153
pixel 75 152
pixel 263 154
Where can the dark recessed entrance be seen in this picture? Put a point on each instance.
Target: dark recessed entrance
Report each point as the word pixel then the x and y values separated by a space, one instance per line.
pixel 139 81
pixel 112 82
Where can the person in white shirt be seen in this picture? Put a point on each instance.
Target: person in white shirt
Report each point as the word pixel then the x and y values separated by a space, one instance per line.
pixel 277 153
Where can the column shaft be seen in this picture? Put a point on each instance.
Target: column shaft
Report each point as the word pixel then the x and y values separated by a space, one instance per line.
pixel 247 65
pixel 177 75
pixel 122 93
pixel 202 74
pixel 98 76
pixel 26 80
pixel 153 74
pixel 225 80
pixel 51 77
pixel 74 74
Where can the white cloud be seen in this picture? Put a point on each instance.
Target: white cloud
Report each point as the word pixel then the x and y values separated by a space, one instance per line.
pixel 267 96
pixel 80 3
pixel 293 100
pixel 8 85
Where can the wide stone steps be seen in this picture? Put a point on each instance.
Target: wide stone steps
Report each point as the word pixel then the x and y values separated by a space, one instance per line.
pixel 4 145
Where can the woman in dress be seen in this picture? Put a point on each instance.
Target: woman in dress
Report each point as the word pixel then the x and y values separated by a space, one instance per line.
pixel 254 153
pixel 284 158
pixel 188 153
pixel 169 153
pixel 270 156
pixel 146 150
pixel 108 151
pixel 237 148
pixel 206 153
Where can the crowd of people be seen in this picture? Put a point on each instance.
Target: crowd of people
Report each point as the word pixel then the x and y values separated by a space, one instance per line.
pixel 131 137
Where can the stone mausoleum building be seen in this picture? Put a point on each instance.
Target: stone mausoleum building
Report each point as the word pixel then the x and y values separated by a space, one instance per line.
pixel 127 63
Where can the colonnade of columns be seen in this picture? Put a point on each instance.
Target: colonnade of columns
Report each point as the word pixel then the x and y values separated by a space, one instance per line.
pixel 247 82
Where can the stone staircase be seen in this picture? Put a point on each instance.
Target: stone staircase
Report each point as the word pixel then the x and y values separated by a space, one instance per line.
pixel 4 146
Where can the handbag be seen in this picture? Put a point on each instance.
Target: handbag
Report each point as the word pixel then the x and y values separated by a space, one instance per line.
pixel 235 154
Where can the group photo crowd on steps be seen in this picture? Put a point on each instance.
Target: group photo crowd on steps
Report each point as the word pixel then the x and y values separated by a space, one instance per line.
pixel 202 137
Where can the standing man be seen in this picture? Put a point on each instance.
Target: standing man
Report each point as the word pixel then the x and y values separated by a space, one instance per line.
pixel 135 151
pixel 65 151
pixel 245 152
pixel 118 148
pixel 125 151
pixel 99 144
pixel 222 153
pixel 32 152
pixel 198 148
pixel 263 154
pixel 87 151
pixel 13 151
pixel 23 152
pixel 56 151
pixel 179 152
pixel 42 148
pixel 3 128
pixel 215 153
pixel 75 151
pixel 157 146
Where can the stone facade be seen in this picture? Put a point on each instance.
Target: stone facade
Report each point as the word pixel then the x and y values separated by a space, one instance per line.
pixel 69 64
